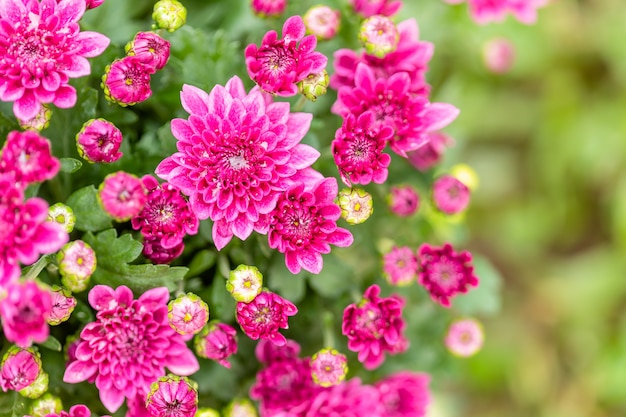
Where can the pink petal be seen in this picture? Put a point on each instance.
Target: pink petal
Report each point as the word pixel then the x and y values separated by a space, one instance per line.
pixel 12 10
pixel 26 107
pixel 341 237
pixel 326 190
pixel 303 156
pixel 221 234
pixel 70 11
pixel 291 261
pixel 49 237
pixel 194 100
pixel 11 91
pixel 155 297
pixel 297 126
pixel 112 398
pixel 184 363
pixel 364 77
pixel 235 87
pixel 92 44
pixel 78 67
pixel 438 116
pixel 101 296
pixel 79 371
pixel 293 29
pixel 311 261
pixel 65 97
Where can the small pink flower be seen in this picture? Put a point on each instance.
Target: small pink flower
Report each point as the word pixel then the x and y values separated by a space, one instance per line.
pixel 403 200
pixel 25 309
pixel 400 266
pixel 404 394
pixel 379 35
pixel 268 8
pixel 322 21
pixel 375 326
pixel 173 396
pixel 267 352
pixel 187 314
pixel 450 195
pixel 487 11
pixel 303 225
pixel 99 141
pixel 465 337
pixel 217 342
pixel 92 4
pixel 367 8
pixel 62 305
pixel 28 156
pixel 358 150
pixel 130 334
pixel 154 251
pixel 152 49
pixel 278 65
pixel 445 273
pixel 264 316
pixel 41 48
pixel 350 399
pixel 77 262
pixel 122 195
pixel 498 55
pixel 430 154
pixel 19 369
pixel 328 367
pixel 127 81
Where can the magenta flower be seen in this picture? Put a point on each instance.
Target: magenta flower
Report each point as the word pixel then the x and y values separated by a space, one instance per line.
pixel 411 116
pixel 403 200
pixel 19 369
pixel 322 21
pixel 400 266
pixel 187 314
pixel 237 153
pixel 264 316
pixel 498 55
pixel 130 334
pixel 367 8
pixel 122 195
pixel 430 154
pixel 411 56
pixel 41 48
pixel 62 305
pixel 127 81
pixel 374 326
pixel 173 396
pixel 465 337
pixel 27 155
pixel 349 399
pixel 303 225
pixel 217 342
pixel 278 65
pixel 150 48
pixel 25 309
pixel 166 215
pixel 78 410
pixel 379 35
pixel 328 367
pixel 445 273
pixel 487 11
pixel 450 195
pixel 358 150
pixel 267 352
pixel 268 8
pixel 404 394
pixel 154 251
pixel 99 141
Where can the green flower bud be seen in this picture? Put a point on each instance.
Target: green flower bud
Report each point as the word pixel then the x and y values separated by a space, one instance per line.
pixel 169 15
pixel 314 85
pixel 37 388
pixel 46 404
pixel 379 35
pixel 356 205
pixel 245 283
pixel 77 262
pixel 63 215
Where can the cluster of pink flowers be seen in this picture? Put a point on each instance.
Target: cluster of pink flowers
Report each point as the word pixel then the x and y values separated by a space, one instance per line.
pixel 487 11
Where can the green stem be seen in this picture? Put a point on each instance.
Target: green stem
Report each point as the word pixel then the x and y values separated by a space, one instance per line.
pixel 180 288
pixel 37 267
pixel 299 104
pixel 328 334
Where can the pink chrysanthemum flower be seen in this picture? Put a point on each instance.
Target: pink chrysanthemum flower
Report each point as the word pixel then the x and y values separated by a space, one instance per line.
pixel 465 337
pixel 122 195
pixel 25 309
pixel 187 314
pixel 217 342
pixel 166 214
pixel 411 116
pixel 304 224
pixel 25 233
pixel 127 81
pixel 350 399
pixel 62 305
pixel 498 55
pixel 152 49
pixel 278 65
pixel 403 200
pixel 172 396
pixel 379 35
pixel 367 8
pixel 28 156
pixel 99 141
pixel 237 153
pixel 430 154
pixel 450 195
pixel 411 56
pixel 328 367
pixel 445 273
pixel 264 316
pixel 268 8
pixel 358 150
pixel 19 369
pixel 404 394
pixel 400 266
pixel 487 11
pixel 154 251
pixel 130 334
pixel 375 326
pixel 322 21
pixel 41 48
pixel 267 352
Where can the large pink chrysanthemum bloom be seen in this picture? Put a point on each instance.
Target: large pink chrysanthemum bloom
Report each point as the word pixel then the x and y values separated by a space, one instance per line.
pixel 28 156
pixel 410 115
pixel 404 394
pixel 25 232
pixel 129 334
pixel 24 310
pixel 411 56
pixel 304 225
pixel 445 273
pixel 278 65
pixel 41 48
pixel 374 326
pixel 263 317
pixel 367 8
pixel 488 11
pixel 349 399
pixel 237 153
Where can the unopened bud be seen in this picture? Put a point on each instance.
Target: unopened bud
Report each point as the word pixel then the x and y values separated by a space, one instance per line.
pixel 169 15
pixel 466 175
pixel 77 262
pixel 314 85
pixel 63 215
pixel 39 122
pixel 356 205
pixel 46 404
pixel 187 314
pixel 322 21
pixel 62 305
pixel 379 35
pixel 239 407
pixel 245 283
pixel 37 388
pixel 328 367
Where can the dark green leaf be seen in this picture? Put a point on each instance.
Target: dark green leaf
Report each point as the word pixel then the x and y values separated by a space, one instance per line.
pixel 70 165
pixel 283 282
pixel 336 278
pixel 52 343
pixel 90 216
pixel 201 262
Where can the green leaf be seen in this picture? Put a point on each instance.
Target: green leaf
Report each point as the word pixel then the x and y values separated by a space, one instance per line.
pixel 222 304
pixel 70 165
pixel 336 278
pixel 12 405
pixel 201 262
pixel 484 299
pixel 280 280
pixel 114 255
pixel 52 343
pixel 90 216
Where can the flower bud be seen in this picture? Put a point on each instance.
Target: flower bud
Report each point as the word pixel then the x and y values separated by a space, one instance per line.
pixel 268 8
pixel 217 342
pixel 63 215
pixel 328 367
pixel 46 404
pixel 39 122
pixel 187 314
pixel 314 85
pixel 152 49
pixel 239 407
pixel 400 266
pixel 122 195
pixel 379 35
pixel 77 262
pixel 245 283
pixel 173 392
pixel 465 337
pixel 466 175
pixel 169 15
pixel 206 412
pixel 498 55
pixel 62 305
pixel 403 200
pixel 356 205
pixel 37 388
pixel 99 141
pixel 126 81
pixel 322 21
pixel 450 195
pixel 19 369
